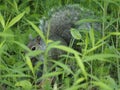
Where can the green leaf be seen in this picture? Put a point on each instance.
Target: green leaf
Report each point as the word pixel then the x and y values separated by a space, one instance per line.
pixel 111 82
pixel 75 33
pixel 92 38
pixel 67 49
pixel 26 85
pixel 37 30
pixel 102 85
pixel 2 34
pixel 65 67
pixel 22 45
pixel 29 63
pixel 79 80
pixel 86 21
pixel 101 57
pixel 15 20
pixel 1 44
pixel 27 10
pixel 81 65
pixel 2 20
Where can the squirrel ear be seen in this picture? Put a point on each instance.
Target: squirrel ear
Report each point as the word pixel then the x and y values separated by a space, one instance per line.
pixel 38 38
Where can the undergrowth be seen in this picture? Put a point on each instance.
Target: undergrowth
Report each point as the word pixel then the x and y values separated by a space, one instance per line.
pixel 95 67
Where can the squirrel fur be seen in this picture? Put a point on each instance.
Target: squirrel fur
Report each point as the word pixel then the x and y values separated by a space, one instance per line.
pixel 59 23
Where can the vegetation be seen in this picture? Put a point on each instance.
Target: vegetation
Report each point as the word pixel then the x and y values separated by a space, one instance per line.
pixel 96 67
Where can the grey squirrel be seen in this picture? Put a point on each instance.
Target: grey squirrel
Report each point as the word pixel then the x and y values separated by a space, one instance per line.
pixel 59 23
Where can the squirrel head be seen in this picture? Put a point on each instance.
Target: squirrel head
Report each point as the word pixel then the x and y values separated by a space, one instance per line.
pixel 36 44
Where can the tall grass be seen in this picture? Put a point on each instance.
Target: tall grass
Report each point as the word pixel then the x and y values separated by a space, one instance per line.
pixel 96 67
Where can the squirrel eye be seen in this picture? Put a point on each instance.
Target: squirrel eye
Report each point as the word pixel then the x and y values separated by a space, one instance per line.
pixel 33 48
pixel 39 43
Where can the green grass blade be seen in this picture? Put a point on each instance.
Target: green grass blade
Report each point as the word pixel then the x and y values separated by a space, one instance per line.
pixel 22 45
pixel 15 20
pixel 102 85
pixel 2 34
pixel 29 63
pixel 102 57
pixel 25 84
pixel 75 33
pixel 37 30
pixel 81 65
pixel 2 20
pixel 92 37
pixel 67 49
pixel 52 74
pixel 65 67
